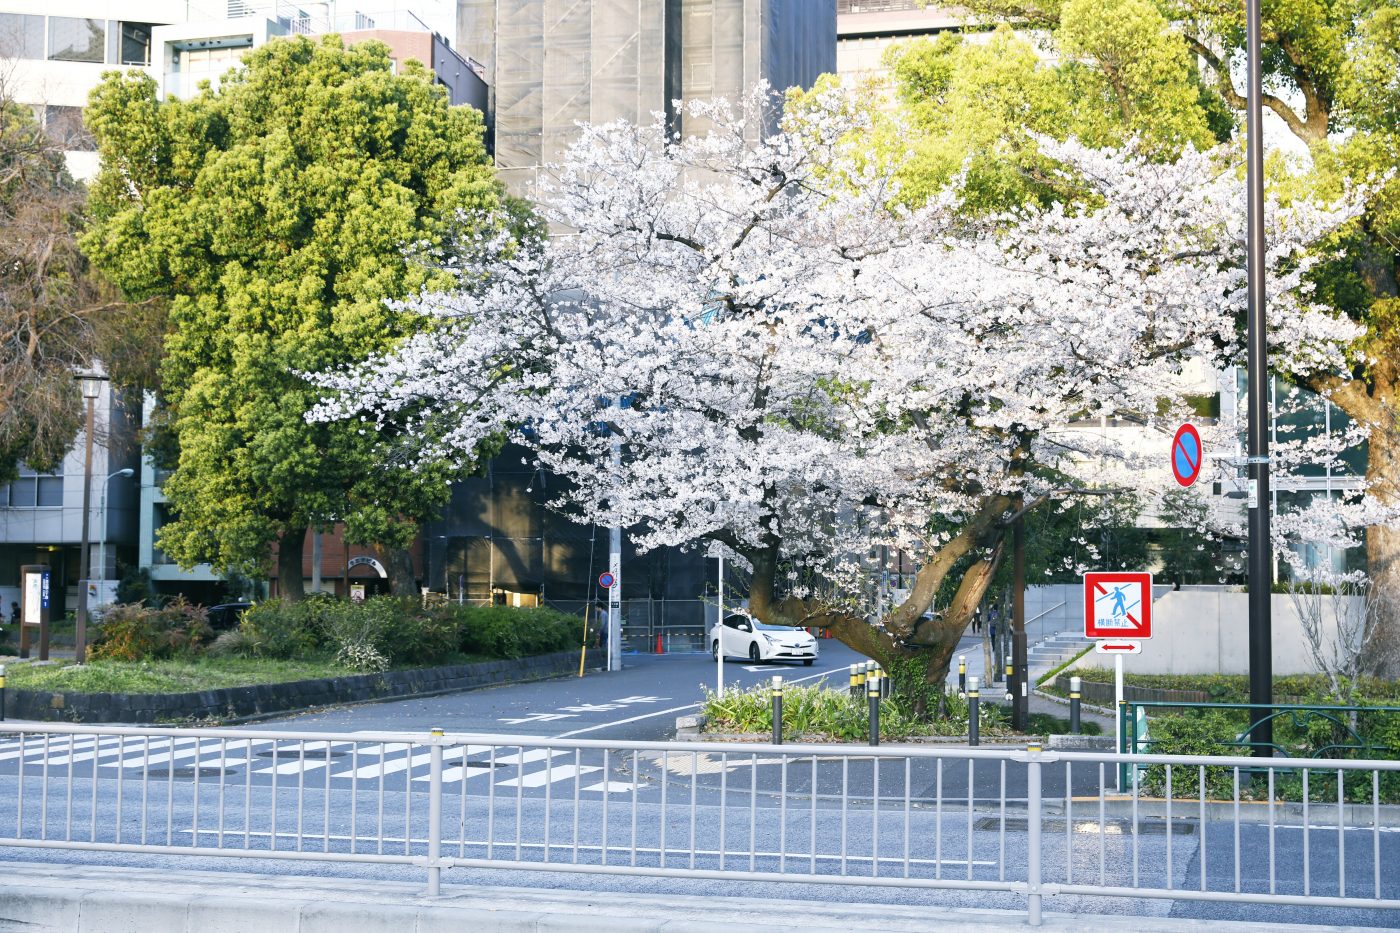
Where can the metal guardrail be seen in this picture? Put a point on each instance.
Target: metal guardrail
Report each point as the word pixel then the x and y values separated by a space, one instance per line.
pixel 1018 822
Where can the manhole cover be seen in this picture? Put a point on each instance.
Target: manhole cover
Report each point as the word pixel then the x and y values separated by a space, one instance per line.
pixel 488 764
pixel 185 772
pixel 293 753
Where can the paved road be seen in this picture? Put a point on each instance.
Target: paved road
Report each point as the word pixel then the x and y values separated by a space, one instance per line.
pixel 641 701
pixel 527 805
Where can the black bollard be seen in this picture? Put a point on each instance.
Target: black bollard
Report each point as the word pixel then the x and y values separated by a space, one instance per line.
pixel 974 710
pixel 873 692
pixel 855 680
pixel 962 673
pixel 2 693
pixel 777 711
pixel 1074 705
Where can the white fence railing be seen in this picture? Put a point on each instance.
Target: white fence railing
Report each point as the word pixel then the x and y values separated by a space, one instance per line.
pixel 1022 822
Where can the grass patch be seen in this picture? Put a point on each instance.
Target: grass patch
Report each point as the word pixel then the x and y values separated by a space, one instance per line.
pixel 172 676
pixel 1051 675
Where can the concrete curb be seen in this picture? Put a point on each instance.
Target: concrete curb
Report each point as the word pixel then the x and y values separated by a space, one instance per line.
pixel 257 701
pixel 108 899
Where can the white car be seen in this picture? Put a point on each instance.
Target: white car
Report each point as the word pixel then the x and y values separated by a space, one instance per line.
pixel 743 636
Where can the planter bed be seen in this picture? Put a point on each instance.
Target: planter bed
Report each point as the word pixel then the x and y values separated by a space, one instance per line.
pixel 231 704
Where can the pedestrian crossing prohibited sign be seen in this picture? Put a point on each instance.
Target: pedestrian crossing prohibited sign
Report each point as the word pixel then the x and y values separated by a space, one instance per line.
pixel 1117 605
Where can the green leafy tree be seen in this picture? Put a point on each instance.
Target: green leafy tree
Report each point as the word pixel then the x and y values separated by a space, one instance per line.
pixel 977 102
pixel 277 213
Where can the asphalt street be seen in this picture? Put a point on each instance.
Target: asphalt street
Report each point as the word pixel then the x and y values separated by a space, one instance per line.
pixel 639 702
pixel 526 814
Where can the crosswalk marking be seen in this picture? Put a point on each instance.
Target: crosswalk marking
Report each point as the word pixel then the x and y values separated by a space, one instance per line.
pixel 541 778
pixel 528 768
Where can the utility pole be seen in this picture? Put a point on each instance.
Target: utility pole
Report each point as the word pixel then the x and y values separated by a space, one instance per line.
pixel 1261 662
pixel 91 384
pixel 615 568
pixel 1020 692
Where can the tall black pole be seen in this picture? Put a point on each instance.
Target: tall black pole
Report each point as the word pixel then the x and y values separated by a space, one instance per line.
pixel 1020 698
pixel 1261 674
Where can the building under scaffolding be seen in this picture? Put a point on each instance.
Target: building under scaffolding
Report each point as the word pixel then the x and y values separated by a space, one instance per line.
pixel 552 64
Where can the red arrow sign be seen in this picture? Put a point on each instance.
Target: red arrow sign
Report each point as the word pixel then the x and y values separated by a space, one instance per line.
pixel 1118 647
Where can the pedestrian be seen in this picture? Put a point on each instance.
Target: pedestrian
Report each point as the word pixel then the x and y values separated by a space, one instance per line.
pixel 14 613
pixel 601 615
pixel 977 620
pixel 992 629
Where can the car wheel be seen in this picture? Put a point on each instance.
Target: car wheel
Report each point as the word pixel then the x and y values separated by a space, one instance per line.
pixel 753 652
pixel 714 650
pixel 807 662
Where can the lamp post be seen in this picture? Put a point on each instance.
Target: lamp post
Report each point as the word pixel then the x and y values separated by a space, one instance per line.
pixel 1261 663
pixel 91 384
pixel 102 543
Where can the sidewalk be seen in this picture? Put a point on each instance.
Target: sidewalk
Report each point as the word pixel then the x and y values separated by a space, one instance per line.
pixel 107 899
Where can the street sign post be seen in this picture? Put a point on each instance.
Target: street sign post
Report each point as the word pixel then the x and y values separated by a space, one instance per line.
pixel 1117 605
pixel 1118 612
pixel 1186 455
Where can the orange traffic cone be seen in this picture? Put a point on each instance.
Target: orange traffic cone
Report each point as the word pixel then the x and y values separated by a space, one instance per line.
pixel 659 648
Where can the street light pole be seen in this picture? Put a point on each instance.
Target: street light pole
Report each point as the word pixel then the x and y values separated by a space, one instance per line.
pixel 102 543
pixel 91 384
pixel 1261 679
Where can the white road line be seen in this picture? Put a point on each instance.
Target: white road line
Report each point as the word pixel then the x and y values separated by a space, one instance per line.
pixel 675 709
pixel 541 778
pixel 391 767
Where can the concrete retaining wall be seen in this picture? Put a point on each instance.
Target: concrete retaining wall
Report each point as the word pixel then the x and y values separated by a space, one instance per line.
pixel 1206 631
pixel 233 703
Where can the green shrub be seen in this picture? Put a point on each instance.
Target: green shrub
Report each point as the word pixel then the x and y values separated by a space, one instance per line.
pixel 1192 734
pixel 507 632
pixel 133 632
pixel 432 638
pixel 282 630
pixel 835 714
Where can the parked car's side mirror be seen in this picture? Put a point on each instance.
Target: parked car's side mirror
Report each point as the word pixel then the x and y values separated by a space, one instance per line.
pixel 744 627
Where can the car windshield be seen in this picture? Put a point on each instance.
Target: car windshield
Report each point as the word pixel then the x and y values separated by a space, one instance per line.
pixel 765 627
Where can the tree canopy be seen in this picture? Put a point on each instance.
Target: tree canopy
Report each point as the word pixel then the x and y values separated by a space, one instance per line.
pixel 802 369
pixel 277 212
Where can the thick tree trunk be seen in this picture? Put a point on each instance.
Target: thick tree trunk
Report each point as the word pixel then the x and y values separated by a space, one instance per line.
pixel 1382 651
pixel 399 562
pixel 291 585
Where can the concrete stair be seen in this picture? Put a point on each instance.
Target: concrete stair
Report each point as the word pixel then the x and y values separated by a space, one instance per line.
pixel 1055 650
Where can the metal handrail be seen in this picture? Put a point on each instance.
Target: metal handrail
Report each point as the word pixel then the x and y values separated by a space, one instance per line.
pixel 696 810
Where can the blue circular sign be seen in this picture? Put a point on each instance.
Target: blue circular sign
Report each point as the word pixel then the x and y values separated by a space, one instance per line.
pixel 1186 455
pixel 607 581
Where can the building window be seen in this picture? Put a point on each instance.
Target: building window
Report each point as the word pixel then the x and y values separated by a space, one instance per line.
pixel 77 40
pixel 129 43
pixel 29 491
pixel 191 66
pixel 21 36
pixel 64 126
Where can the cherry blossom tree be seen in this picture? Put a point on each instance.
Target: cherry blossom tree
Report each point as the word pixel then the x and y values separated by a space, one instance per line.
pixel 793 365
